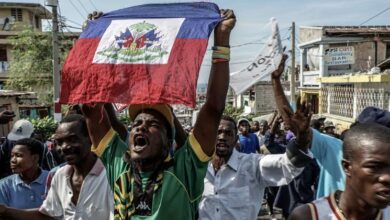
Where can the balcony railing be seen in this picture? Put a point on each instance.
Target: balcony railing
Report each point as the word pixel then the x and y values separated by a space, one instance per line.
pixel 349 100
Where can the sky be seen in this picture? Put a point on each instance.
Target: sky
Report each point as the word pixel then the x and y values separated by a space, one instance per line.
pixel 253 18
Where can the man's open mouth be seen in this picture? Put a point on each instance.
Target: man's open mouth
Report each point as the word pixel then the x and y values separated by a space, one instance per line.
pixel 140 141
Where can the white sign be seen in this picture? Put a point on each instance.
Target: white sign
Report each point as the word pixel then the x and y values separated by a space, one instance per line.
pixel 260 70
pixel 339 56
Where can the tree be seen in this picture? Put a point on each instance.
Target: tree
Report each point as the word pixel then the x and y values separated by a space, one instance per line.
pixel 31 64
pixel 233 112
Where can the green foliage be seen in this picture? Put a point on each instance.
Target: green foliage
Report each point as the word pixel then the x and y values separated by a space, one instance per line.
pixel 46 125
pixel 125 119
pixel 233 112
pixel 31 67
pixel 236 112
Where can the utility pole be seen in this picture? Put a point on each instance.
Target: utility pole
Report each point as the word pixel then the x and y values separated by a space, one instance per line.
pixel 56 66
pixel 292 74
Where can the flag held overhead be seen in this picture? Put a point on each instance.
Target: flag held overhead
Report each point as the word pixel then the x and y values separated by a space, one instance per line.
pixel 145 54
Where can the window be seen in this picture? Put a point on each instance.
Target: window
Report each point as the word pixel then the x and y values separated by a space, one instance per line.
pixel 387 50
pixel 17 14
pixel 3 54
pixel 37 22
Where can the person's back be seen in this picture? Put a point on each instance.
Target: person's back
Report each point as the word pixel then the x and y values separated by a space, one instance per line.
pixel 328 150
pixel 249 143
pixel 5 156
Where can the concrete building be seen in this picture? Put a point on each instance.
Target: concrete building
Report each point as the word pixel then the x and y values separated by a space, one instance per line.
pixel 259 100
pixel 344 70
pixel 13 16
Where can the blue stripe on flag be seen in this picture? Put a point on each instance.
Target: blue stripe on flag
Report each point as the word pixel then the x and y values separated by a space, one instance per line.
pixel 191 28
pixel 200 18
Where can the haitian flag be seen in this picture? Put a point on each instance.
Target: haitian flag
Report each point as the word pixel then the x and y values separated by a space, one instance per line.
pixel 145 54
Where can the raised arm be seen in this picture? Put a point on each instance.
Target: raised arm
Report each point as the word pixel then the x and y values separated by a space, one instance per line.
pixel 298 122
pixel 97 122
pixel 205 129
pixel 118 126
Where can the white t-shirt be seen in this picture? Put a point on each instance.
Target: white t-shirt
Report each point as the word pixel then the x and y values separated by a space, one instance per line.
pixel 95 202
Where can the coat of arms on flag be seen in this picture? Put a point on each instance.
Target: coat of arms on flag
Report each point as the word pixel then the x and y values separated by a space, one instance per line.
pixel 145 54
pixel 146 41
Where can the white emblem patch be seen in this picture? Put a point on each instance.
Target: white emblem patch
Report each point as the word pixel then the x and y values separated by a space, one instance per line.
pixel 138 41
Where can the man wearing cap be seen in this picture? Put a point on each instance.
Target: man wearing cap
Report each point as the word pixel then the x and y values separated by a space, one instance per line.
pixel 153 184
pixel 21 129
pixel 329 129
pixel 249 143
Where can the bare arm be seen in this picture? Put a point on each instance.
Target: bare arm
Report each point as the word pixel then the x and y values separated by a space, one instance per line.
pixel 21 214
pixel 275 124
pixel 97 122
pixel 115 123
pixel 205 129
pixel 272 119
pixel 298 122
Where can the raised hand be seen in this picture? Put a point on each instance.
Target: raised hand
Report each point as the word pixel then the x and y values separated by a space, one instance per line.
pixel 299 122
pixel 278 72
pixel 223 29
pixel 92 16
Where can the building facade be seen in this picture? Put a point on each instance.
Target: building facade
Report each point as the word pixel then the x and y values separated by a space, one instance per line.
pixel 344 70
pixel 14 16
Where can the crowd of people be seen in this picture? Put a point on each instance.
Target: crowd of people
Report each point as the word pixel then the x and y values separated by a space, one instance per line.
pixel 222 169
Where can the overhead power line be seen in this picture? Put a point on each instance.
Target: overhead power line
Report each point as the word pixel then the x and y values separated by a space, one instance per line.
pixel 73 22
pixel 82 5
pixel 93 5
pixel 381 12
pixel 74 6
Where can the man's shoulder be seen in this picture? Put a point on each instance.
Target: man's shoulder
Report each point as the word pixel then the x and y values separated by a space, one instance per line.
pixel 63 171
pixel 248 158
pixel 301 212
pixel 9 180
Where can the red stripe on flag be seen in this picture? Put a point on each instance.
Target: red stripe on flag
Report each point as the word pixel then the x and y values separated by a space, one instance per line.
pixel 173 83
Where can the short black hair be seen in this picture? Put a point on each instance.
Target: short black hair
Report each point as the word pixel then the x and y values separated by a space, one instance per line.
pixel 361 132
pixel 228 118
pixel 34 146
pixel 316 124
pixel 77 118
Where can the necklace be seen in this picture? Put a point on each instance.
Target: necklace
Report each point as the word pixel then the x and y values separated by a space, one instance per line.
pixel 337 196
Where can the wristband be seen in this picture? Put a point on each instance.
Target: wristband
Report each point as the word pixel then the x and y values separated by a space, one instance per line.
pixel 221 53
pixel 219 60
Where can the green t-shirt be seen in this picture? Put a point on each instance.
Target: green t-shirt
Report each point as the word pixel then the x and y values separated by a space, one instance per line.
pixel 182 185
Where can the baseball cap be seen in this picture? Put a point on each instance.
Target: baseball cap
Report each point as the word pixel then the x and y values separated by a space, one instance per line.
pixel 21 129
pixel 164 109
pixel 241 120
pixel 374 115
pixel 329 124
